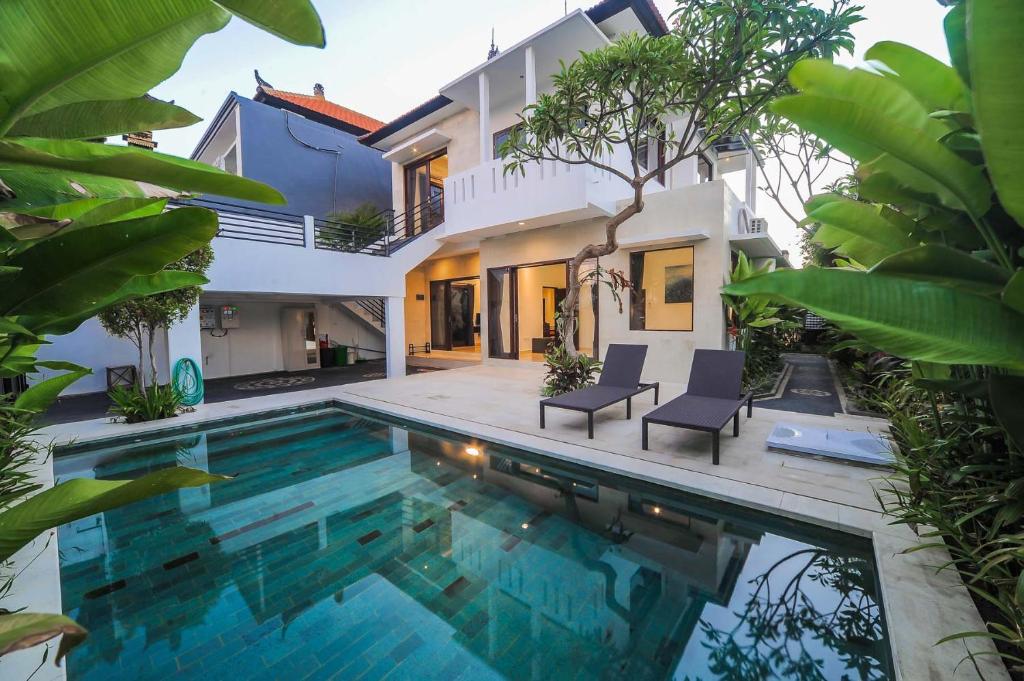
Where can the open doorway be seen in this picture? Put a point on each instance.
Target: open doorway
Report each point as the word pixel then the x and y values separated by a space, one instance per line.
pixel 455 314
pixel 523 304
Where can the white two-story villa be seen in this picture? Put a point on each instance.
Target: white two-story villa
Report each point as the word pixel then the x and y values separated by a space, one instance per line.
pixel 474 261
pixel 503 239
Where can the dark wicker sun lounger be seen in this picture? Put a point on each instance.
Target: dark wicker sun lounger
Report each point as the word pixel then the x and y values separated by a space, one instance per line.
pixel 620 380
pixel 713 396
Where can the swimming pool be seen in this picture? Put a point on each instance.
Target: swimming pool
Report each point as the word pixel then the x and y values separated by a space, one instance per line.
pixel 349 545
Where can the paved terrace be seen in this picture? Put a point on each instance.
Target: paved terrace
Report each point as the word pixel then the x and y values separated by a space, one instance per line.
pixel 498 402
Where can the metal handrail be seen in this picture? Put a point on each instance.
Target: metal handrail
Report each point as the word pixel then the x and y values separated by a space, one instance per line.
pixel 374 307
pixel 347 237
pixel 422 218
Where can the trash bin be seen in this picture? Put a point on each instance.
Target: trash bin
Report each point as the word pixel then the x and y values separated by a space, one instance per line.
pixel 326 357
pixel 341 355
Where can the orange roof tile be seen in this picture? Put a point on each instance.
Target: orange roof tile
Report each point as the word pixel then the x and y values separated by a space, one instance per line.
pixel 324 107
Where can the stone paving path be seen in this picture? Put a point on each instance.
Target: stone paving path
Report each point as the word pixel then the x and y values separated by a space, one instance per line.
pixel 809 390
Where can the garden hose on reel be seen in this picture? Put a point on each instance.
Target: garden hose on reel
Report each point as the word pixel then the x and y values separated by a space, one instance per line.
pixel 188 380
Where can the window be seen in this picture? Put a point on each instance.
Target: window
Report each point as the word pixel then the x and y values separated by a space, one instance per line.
pixel 229 161
pixel 644 153
pixel 705 171
pixel 661 294
pixel 501 137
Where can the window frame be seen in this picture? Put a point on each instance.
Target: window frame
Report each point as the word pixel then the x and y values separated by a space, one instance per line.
pixel 711 169
pixel 635 317
pixel 496 135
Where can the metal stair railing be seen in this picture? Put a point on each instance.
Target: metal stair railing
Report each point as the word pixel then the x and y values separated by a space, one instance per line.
pixel 404 227
pixel 373 307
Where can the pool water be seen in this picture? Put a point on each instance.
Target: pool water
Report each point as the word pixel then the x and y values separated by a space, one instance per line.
pixel 349 546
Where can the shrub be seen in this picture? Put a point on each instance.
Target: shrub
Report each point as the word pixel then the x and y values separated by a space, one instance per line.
pixel 136 405
pixel 567 373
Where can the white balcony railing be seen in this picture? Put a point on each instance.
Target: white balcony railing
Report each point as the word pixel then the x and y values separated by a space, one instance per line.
pixel 486 196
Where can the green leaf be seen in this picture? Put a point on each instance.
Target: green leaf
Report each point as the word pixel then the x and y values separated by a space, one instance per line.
pixel 929 371
pixel 130 163
pixel 82 497
pixel 84 120
pixel 935 85
pixel 860 230
pixel 994 30
pixel 34 186
pixel 946 266
pixel 90 212
pixel 21 630
pixel 875 121
pixel 918 320
pixel 60 52
pixel 1005 396
pixel 955 25
pixel 294 20
pixel 1013 294
pixel 75 269
pixel 136 287
pixel 40 396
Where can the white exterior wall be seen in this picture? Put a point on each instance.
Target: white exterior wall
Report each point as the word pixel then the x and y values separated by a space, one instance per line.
pixel 699 210
pixel 91 346
pixel 255 346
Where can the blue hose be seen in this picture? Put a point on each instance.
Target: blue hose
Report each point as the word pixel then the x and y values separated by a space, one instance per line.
pixel 188 380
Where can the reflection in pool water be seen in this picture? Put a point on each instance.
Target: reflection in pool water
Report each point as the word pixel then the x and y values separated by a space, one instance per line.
pixel 348 546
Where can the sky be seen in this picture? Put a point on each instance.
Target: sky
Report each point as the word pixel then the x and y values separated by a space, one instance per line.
pixel 384 57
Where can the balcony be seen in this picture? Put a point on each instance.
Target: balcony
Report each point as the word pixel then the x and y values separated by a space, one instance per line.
pixel 485 201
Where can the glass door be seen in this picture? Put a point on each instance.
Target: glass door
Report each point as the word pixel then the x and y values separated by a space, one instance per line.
pixel 460 315
pixel 440 338
pixel 424 192
pixel 502 332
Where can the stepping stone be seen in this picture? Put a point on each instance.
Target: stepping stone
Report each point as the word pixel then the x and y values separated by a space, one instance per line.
pixel 845 445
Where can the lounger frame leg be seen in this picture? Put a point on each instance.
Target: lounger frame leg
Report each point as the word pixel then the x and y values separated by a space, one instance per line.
pixel 645 434
pixel 657 389
pixel 714 447
pixel 629 407
pixel 750 405
pixel 736 424
pixel 590 425
pixel 541 414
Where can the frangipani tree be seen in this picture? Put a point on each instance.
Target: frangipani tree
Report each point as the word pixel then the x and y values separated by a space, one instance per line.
pixel 666 99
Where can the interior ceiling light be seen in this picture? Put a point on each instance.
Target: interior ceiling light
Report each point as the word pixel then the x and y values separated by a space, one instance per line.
pixel 472 451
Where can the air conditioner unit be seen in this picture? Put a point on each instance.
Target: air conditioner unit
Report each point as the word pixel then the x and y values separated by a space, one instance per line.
pixel 758 226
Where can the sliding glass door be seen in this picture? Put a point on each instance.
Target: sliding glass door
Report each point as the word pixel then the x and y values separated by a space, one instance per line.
pixel 424 192
pixel 502 342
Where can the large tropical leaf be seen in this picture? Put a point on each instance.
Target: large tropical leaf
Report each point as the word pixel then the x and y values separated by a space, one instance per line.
pixel 875 121
pixel 946 266
pixel 130 163
pixel 860 230
pixel 294 20
pixel 75 269
pixel 82 497
pixel 34 186
pixel 937 86
pixel 41 395
pixel 955 26
pixel 85 120
pixel 136 287
pixel 60 52
pixel 22 630
pixel 994 30
pixel 919 320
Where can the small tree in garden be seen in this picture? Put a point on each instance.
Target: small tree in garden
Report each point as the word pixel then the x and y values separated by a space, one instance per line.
pixel 138 319
pixel 666 99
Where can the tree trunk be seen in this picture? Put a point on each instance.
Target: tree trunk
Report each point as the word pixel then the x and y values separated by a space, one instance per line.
pixel 152 358
pixel 610 245
pixel 140 379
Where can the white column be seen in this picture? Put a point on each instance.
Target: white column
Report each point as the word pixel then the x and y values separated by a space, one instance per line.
pixel 307 231
pixel 530 76
pixel 751 178
pixel 394 315
pixel 485 118
pixel 183 340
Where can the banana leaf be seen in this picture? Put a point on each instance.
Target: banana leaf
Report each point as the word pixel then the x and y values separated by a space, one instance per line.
pixel 934 84
pixel 1013 294
pixel 294 20
pixel 85 120
pixel 946 266
pixel 71 271
pixel 129 163
pixel 40 396
pixel 82 497
pixel 915 319
pixel 955 27
pixel 21 630
pixel 994 30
